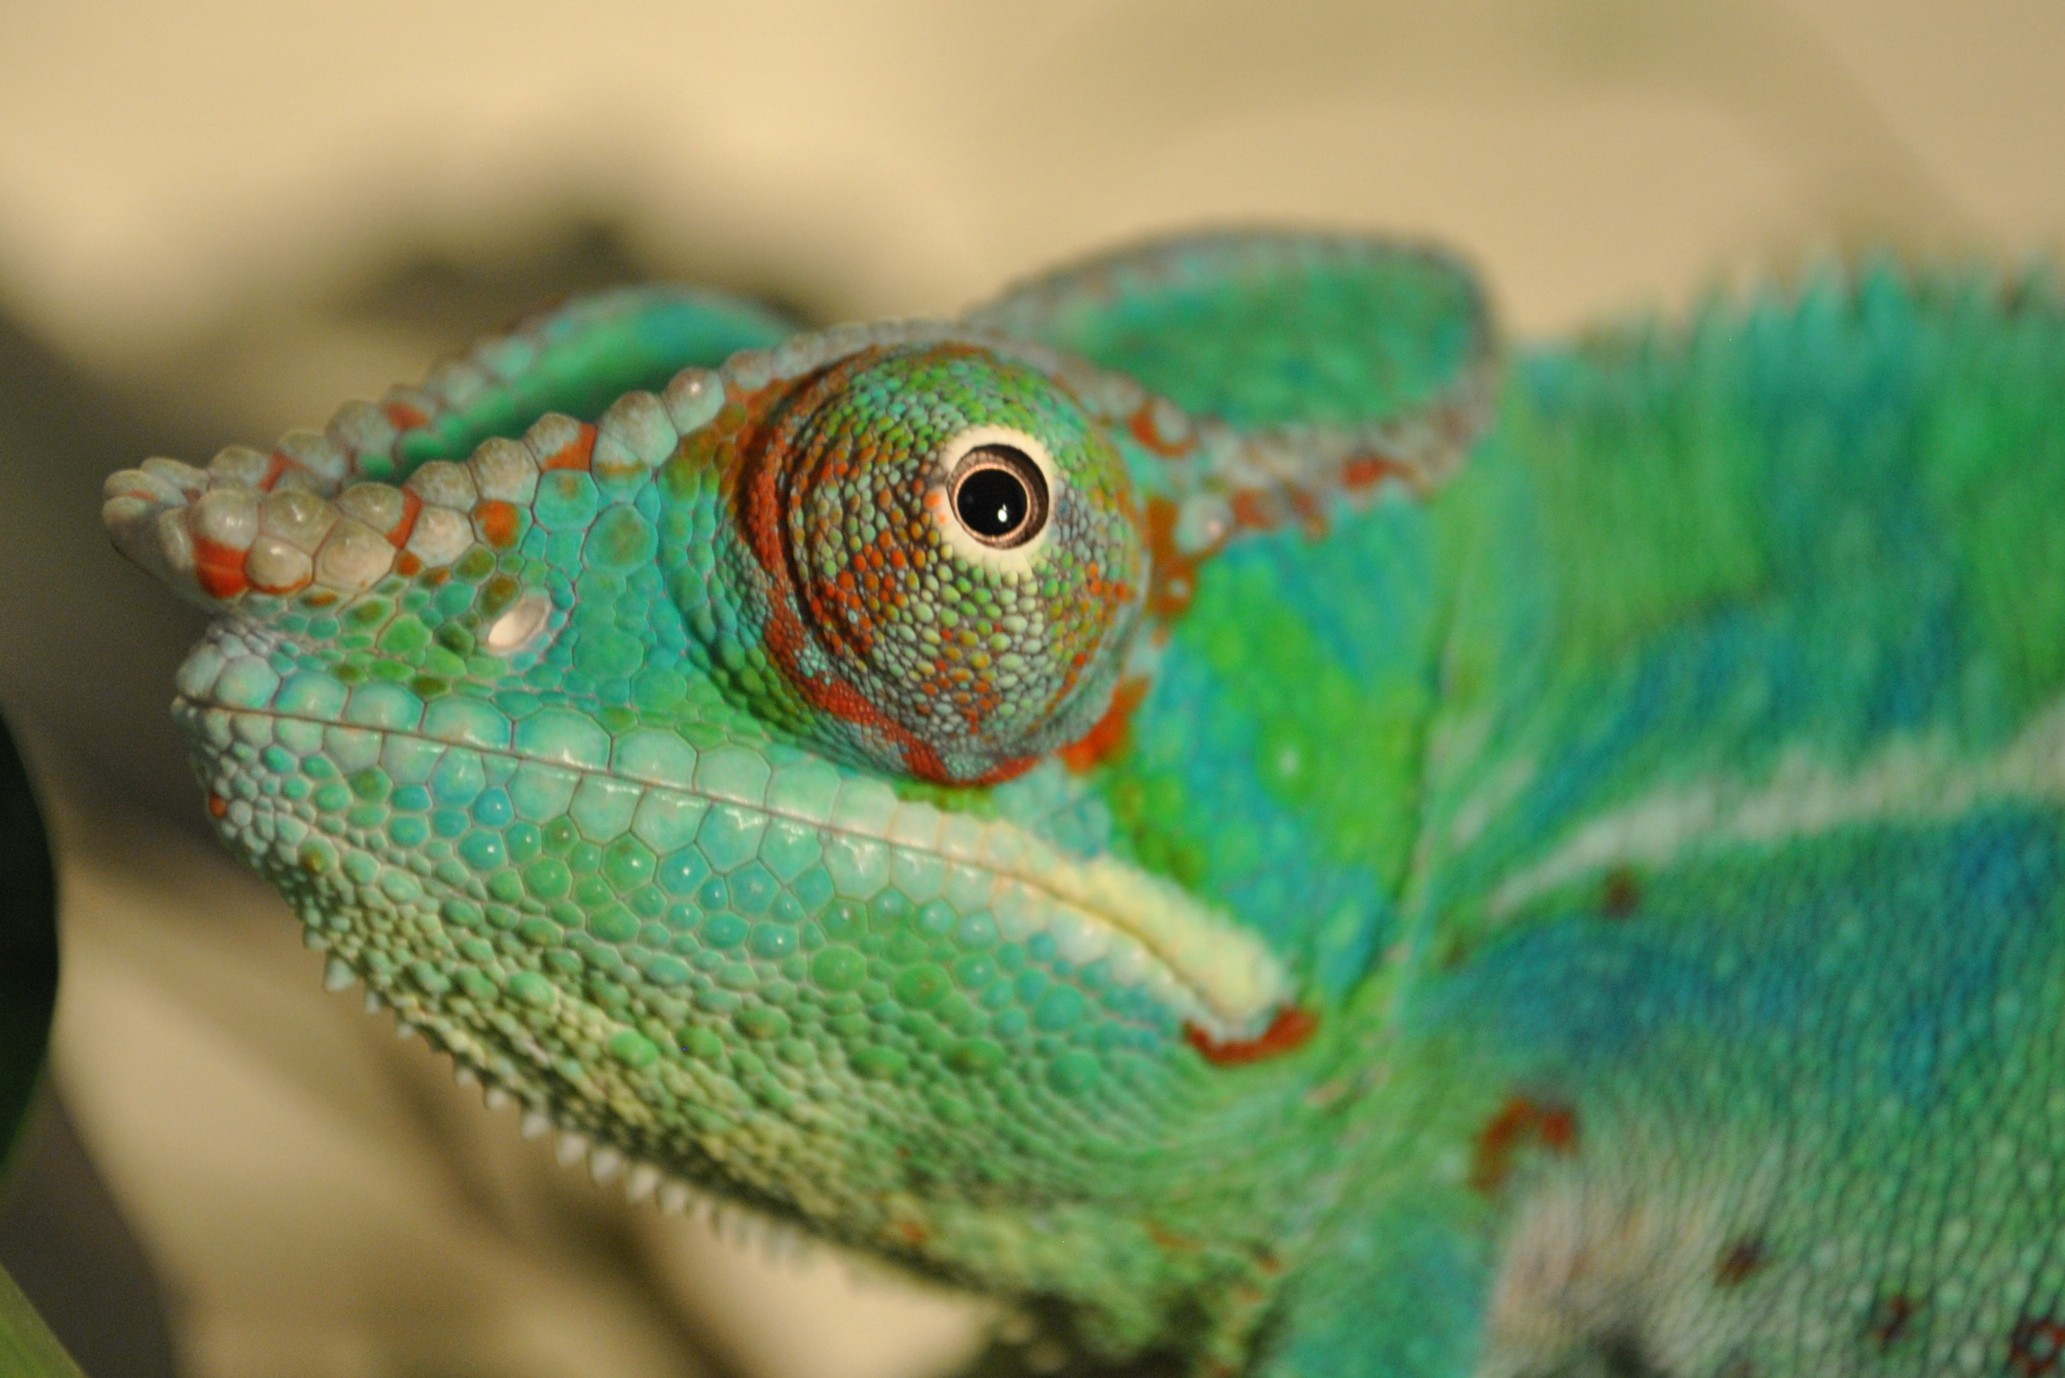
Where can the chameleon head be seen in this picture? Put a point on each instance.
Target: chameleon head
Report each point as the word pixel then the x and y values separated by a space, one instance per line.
pixel 691 776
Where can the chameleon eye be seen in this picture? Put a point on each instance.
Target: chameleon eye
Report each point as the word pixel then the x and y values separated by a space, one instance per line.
pixel 952 560
pixel 999 495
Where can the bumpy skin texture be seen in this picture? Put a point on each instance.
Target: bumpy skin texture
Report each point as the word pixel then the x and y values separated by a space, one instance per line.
pixel 1423 865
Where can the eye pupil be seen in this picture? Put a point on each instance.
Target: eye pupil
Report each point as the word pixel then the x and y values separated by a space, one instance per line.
pixel 993 502
pixel 1000 496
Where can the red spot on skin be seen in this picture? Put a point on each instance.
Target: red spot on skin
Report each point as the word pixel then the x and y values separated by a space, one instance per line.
pixel 280 464
pixel 301 583
pixel 1366 471
pixel 217 805
pixel 497 522
pixel 407 565
pixel 1621 895
pixel 1739 1260
pixel 1256 509
pixel 412 507
pixel 1310 511
pixel 1291 1030
pixel 579 454
pixel 406 417
pixel 911 1233
pixel 1110 731
pixel 1250 511
pixel 2035 1346
pixel 1890 1318
pixel 1174 581
pixel 219 569
pixel 1520 1123
pixel 1149 434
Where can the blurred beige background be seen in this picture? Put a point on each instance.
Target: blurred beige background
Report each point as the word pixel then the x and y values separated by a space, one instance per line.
pixel 219 219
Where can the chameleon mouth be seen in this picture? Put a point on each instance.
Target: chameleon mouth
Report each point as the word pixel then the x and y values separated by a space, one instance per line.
pixel 1147 934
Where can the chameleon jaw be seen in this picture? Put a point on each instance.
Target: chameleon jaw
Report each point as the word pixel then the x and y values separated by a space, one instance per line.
pixel 1214 975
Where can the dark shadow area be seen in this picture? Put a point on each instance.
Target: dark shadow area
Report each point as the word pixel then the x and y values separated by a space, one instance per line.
pixel 63 1238
pixel 91 642
pixel 28 941
pixel 426 289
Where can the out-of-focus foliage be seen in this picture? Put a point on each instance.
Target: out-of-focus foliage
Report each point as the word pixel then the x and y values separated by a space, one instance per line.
pixel 27 1348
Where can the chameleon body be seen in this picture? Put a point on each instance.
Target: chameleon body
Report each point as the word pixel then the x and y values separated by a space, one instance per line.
pixel 1204 799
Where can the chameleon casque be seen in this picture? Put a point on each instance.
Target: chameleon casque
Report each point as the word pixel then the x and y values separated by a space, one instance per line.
pixel 1204 798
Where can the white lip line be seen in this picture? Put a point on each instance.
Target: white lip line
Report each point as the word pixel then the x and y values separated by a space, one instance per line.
pixel 1175 974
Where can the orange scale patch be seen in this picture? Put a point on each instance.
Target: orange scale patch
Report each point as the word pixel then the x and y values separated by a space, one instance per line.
pixel 578 454
pixel 219 569
pixel 1251 510
pixel 1148 432
pixel 1519 1124
pixel 1366 471
pixel 1175 573
pixel 497 522
pixel 412 508
pixel 1109 732
pixel 1310 512
pixel 295 587
pixel 1292 1029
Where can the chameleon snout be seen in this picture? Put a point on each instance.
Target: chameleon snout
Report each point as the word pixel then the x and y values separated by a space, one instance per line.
pixel 215 536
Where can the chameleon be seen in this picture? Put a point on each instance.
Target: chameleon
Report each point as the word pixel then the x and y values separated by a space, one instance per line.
pixel 1212 800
